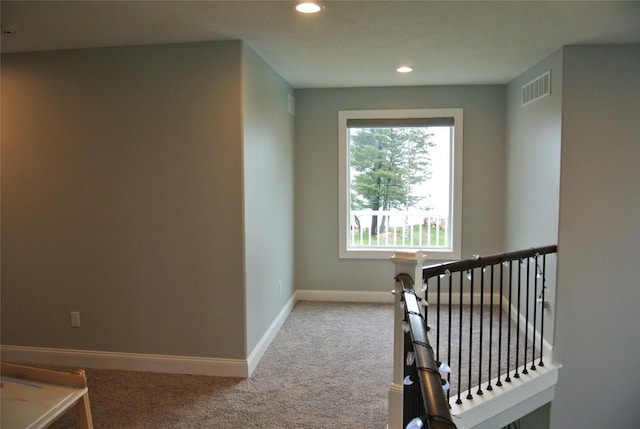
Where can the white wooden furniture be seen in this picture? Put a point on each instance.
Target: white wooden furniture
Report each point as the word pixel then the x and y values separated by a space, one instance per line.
pixel 36 397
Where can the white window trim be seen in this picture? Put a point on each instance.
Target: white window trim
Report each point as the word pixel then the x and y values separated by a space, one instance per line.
pixel 456 179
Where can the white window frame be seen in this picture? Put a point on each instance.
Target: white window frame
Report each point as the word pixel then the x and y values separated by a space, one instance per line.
pixel 455 213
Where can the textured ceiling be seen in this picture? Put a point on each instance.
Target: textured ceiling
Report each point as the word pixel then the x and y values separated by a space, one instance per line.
pixel 350 43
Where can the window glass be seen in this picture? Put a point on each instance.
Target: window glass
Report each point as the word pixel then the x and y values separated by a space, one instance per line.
pixel 400 182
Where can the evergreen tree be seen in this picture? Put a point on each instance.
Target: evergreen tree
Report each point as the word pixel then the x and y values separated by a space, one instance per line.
pixel 386 164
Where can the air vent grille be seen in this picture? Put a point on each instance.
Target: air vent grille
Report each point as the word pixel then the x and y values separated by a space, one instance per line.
pixel 538 88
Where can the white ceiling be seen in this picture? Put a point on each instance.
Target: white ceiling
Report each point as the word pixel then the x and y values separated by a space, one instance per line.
pixel 350 43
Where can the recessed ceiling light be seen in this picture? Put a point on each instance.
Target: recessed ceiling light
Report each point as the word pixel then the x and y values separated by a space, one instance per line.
pixel 404 69
pixel 308 7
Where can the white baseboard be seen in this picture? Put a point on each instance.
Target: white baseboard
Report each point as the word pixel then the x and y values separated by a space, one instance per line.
pixel 220 366
pixel 256 355
pixel 181 364
pixel 532 331
pixel 343 296
pixel 126 361
pixel 467 299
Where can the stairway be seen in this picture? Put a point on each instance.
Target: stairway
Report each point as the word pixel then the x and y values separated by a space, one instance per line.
pixel 485 318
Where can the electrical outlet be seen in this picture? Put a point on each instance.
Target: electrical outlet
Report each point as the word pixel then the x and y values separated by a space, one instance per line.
pixel 75 319
pixel 280 287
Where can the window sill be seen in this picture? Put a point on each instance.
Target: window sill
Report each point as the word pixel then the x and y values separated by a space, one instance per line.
pixel 387 253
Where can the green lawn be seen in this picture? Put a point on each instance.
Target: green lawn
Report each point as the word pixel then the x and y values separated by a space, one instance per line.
pixel 431 237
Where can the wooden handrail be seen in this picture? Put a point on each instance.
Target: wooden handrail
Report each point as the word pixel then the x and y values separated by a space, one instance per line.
pixel 436 406
pixel 477 262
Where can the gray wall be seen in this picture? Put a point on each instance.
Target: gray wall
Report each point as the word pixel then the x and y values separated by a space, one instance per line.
pixel 533 172
pixel 316 190
pixel 533 160
pixel 121 199
pixel 599 240
pixel 131 186
pixel 268 194
pixel 572 173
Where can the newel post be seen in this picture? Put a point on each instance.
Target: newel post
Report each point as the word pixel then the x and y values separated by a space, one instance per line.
pixel 405 263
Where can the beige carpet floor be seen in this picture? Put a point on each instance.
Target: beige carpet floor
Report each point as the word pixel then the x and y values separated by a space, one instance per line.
pixel 328 367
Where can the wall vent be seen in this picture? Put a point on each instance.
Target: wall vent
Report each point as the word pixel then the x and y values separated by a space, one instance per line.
pixel 538 88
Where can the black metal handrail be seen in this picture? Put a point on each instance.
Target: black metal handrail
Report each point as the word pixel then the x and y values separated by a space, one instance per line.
pixel 483 261
pixel 435 405
pixel 505 273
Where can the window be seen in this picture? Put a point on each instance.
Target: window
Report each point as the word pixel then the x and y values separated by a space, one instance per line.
pixel 400 182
